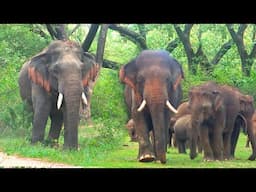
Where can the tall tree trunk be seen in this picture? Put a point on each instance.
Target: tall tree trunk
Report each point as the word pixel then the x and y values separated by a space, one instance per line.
pixel 245 57
pixel 57 31
pixel 90 36
pixel 99 60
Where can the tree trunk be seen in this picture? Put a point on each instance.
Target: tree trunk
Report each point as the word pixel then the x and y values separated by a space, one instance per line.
pixel 99 60
pixel 90 36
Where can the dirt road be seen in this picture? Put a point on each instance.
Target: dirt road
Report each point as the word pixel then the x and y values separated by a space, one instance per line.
pixel 7 161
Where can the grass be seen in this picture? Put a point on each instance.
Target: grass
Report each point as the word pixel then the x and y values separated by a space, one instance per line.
pixel 94 155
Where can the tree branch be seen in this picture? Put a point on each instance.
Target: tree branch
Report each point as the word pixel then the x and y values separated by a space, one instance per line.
pixel 74 29
pixel 51 31
pixel 222 51
pixel 101 43
pixel 90 36
pixel 172 45
pixel 131 35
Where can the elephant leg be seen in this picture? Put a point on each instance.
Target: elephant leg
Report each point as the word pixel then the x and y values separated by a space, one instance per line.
pixel 181 146
pixel 247 142
pixel 56 125
pixel 204 135
pixel 234 139
pixel 145 147
pixel 199 145
pixel 227 146
pixel 217 144
pixel 41 107
pixel 192 145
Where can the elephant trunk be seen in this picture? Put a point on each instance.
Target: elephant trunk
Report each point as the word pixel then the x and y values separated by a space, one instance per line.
pixel 160 129
pixel 72 99
pixel 156 97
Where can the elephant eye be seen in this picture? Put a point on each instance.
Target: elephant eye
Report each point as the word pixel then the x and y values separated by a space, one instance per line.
pixel 140 79
pixel 55 70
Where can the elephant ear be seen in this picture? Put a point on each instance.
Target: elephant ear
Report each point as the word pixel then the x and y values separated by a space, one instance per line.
pixel 218 101
pixel 90 69
pixel 38 70
pixel 127 74
pixel 177 73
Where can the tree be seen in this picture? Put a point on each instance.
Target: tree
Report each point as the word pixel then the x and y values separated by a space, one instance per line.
pixel 199 57
pixel 247 59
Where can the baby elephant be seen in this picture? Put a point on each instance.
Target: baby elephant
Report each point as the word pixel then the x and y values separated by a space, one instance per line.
pixel 183 133
pixel 131 130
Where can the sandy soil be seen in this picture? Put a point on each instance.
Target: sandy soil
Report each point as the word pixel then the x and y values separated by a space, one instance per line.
pixel 7 161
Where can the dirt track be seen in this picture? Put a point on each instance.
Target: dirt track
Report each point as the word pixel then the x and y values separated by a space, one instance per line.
pixel 7 161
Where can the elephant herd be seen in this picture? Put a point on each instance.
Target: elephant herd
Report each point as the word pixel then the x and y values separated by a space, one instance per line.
pixel 54 84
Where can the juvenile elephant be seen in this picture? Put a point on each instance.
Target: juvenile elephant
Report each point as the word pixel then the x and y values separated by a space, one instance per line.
pixel 182 132
pixel 131 130
pixel 53 83
pixel 154 80
pixel 214 111
pixel 244 119
pixel 181 111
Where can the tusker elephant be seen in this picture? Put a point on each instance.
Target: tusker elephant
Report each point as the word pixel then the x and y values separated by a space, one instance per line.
pixel 154 79
pixel 53 83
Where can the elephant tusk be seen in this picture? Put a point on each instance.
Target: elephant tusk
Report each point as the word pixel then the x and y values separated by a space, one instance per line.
pixel 84 99
pixel 59 101
pixel 169 105
pixel 142 105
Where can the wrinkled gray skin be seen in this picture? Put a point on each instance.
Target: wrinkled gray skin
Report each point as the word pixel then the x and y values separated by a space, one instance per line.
pixel 154 77
pixel 215 110
pixel 64 68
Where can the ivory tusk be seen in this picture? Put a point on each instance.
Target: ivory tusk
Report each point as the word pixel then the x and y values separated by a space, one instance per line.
pixel 142 105
pixel 59 101
pixel 169 105
pixel 84 99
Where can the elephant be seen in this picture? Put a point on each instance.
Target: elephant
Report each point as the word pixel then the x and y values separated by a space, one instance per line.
pixel 131 130
pixel 183 132
pixel 181 111
pixel 215 109
pixel 213 113
pixel 253 122
pixel 244 119
pixel 154 78
pixel 53 83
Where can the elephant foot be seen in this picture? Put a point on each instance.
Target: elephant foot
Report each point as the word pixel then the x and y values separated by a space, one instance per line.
pixel 208 159
pixel 252 157
pixel 52 143
pixel 147 158
pixel 193 156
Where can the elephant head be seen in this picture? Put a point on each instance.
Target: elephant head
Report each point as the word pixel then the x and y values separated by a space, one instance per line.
pixel 154 79
pixel 204 102
pixel 247 111
pixel 55 81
